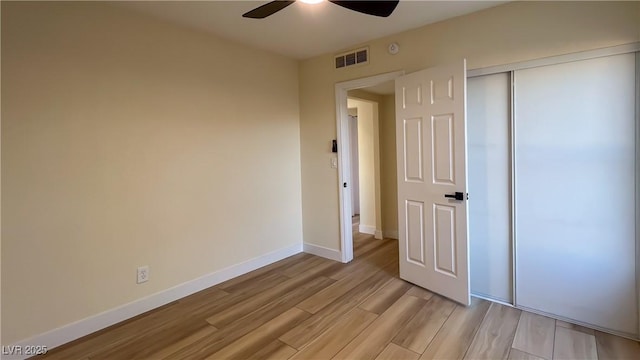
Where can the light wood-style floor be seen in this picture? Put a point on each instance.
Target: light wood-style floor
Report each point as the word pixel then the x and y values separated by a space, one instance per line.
pixel 306 307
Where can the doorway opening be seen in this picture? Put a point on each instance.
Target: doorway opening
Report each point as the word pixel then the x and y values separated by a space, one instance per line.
pixel 366 161
pixel 365 117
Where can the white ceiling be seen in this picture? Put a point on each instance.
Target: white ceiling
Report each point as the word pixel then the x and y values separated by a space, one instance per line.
pixel 386 88
pixel 302 30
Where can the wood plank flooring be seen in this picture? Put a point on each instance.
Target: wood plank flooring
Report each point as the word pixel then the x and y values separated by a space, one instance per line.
pixel 306 307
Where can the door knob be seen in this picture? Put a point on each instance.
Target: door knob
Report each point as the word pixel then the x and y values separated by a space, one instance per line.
pixel 457 195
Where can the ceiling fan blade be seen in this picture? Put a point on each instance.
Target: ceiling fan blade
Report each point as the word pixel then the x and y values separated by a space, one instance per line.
pixel 267 9
pixel 376 8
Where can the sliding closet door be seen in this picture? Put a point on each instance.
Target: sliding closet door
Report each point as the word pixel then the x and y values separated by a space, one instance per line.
pixel 488 170
pixel 575 191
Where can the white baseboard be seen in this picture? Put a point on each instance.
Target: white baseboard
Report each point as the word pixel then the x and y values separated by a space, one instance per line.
pixel 391 234
pixel 78 329
pixel 371 230
pixel 322 251
pixel 366 229
pixel 492 299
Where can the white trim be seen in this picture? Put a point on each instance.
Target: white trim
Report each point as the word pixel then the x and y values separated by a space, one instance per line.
pixel 538 312
pixel 512 181
pixel 344 178
pixel 576 322
pixel 78 329
pixel 371 230
pixel 366 229
pixel 322 251
pixel 344 163
pixel 553 60
pixel 390 234
pixel 638 186
pixel 489 298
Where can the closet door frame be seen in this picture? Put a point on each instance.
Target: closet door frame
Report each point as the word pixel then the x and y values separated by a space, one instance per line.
pixel 638 184
pixel 554 60
pixel 511 191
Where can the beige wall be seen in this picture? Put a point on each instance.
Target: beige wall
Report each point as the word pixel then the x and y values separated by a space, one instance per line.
pixel 388 169
pixel 368 162
pixel 508 33
pixel 128 141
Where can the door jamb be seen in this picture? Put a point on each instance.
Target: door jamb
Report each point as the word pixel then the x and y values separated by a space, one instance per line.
pixel 638 185
pixel 344 162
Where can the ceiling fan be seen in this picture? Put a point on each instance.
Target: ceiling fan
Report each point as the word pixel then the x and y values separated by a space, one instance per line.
pixel 375 8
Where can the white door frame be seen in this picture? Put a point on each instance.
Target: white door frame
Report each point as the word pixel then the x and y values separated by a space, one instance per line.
pixel 638 184
pixel 344 153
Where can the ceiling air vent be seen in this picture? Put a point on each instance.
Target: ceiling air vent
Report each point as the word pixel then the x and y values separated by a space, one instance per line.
pixel 354 57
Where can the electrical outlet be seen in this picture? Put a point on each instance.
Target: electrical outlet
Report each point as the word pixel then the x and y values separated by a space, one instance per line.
pixel 143 274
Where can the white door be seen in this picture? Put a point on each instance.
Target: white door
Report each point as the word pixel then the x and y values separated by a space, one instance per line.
pixel 489 176
pixel 575 181
pixel 431 148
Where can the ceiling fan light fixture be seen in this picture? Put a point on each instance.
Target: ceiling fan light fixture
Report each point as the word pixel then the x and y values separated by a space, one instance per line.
pixel 381 8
